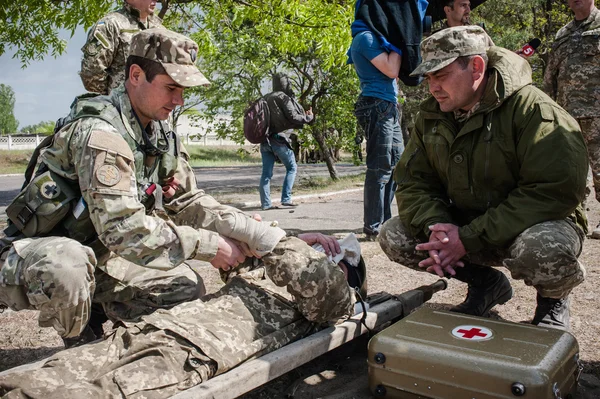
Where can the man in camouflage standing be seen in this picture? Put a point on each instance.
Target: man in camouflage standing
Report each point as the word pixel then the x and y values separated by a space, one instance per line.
pixel 91 225
pixel 107 47
pixel 494 174
pixel 572 78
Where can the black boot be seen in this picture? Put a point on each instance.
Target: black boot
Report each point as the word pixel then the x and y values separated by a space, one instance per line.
pixel 86 336
pixel 488 287
pixel 97 319
pixel 552 313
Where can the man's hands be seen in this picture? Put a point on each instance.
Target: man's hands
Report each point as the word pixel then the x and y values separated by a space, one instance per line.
pixel 233 252
pixel 445 250
pixel 229 254
pixel 329 243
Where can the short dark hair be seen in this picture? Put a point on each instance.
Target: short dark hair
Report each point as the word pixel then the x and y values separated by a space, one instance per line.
pixel 449 3
pixel 465 59
pixel 151 68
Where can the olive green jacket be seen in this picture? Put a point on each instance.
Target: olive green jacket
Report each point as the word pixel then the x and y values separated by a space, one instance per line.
pixel 519 160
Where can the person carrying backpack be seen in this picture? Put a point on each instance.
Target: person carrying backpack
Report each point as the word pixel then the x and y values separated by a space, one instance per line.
pixel 285 114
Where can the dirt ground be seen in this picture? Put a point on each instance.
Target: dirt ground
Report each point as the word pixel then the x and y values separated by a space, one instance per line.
pixel 22 341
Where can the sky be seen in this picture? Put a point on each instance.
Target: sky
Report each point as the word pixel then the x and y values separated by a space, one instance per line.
pixel 45 89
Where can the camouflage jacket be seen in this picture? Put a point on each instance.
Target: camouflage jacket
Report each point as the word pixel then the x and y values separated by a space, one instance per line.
pixel 108 164
pixel 107 48
pixel 572 75
pixel 518 160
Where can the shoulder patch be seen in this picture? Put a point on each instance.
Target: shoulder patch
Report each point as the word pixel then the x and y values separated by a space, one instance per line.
pixel 101 38
pixel 105 141
pixel 108 175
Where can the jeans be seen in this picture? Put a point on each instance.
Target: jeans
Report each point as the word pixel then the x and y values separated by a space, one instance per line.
pixel 269 151
pixel 379 122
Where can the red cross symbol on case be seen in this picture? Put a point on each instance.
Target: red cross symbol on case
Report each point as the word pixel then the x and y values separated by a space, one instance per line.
pixel 472 333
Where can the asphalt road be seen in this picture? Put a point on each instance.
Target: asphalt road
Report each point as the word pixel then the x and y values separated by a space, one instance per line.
pixel 222 179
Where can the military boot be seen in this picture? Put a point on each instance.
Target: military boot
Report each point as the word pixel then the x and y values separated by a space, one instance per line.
pixel 86 336
pixel 596 233
pixel 552 313
pixel 488 287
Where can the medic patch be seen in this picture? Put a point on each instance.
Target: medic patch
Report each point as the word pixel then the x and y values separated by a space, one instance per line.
pixel 49 190
pixel 109 175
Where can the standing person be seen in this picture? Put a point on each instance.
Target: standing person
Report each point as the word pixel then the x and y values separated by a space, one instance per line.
pixel 107 47
pixel 89 227
pixel 572 78
pixel 494 174
pixel 458 13
pixel 286 114
pixel 378 120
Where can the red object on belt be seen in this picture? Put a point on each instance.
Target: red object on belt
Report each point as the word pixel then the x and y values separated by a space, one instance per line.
pixel 151 188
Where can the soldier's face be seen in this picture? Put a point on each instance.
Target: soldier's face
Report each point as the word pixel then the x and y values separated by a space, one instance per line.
pixel 154 100
pixel 146 7
pixel 459 14
pixel 581 5
pixel 453 87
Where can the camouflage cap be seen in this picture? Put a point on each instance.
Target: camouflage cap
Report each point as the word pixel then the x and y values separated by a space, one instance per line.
pixel 444 47
pixel 176 53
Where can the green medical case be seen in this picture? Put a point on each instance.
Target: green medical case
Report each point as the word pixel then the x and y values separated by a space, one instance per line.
pixel 438 354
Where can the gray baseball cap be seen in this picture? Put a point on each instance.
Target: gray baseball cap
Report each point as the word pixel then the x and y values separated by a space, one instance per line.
pixel 175 52
pixel 444 47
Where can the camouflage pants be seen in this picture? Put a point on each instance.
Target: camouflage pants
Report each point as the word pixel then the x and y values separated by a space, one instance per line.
pixel 61 277
pixel 543 256
pixel 175 349
pixel 590 127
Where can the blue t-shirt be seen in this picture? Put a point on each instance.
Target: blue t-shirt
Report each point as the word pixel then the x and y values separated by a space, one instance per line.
pixel 373 82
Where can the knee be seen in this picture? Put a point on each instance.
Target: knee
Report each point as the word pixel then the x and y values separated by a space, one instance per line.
pixel 545 256
pixel 60 271
pixel 397 242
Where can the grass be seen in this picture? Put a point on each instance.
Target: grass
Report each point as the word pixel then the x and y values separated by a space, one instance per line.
pixel 14 161
pixel 223 156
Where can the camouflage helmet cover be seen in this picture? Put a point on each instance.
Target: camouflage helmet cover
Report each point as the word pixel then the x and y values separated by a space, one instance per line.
pixel 175 52
pixel 444 47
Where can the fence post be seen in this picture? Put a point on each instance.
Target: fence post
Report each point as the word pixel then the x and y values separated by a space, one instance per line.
pixel 9 142
pixel 37 140
pixel 204 140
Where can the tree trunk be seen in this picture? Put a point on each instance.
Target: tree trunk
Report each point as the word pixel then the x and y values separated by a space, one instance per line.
pixel 326 153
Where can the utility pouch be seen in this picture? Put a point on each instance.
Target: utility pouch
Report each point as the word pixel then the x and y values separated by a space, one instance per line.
pixel 41 205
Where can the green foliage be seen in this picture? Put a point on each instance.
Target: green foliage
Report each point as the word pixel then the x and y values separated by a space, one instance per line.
pixel 243 44
pixel 31 27
pixel 44 127
pixel 8 122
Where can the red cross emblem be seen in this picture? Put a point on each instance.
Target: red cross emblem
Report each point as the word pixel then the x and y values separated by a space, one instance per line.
pixel 472 333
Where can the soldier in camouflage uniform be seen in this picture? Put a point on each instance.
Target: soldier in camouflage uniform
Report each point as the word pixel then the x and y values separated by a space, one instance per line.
pixel 494 174
pixel 572 78
pixel 117 243
pixel 291 294
pixel 107 47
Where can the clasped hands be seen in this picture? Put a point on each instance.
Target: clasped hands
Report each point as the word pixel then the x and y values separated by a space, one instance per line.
pixel 445 250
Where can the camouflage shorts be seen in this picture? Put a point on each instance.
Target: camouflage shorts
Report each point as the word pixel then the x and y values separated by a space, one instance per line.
pixel 543 256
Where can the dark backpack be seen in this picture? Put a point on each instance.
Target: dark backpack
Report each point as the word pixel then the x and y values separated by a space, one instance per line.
pixel 256 121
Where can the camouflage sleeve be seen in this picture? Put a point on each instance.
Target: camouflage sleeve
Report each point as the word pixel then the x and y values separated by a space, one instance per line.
pixel 193 207
pixel 318 286
pixel 551 74
pixel 105 169
pixel 98 53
